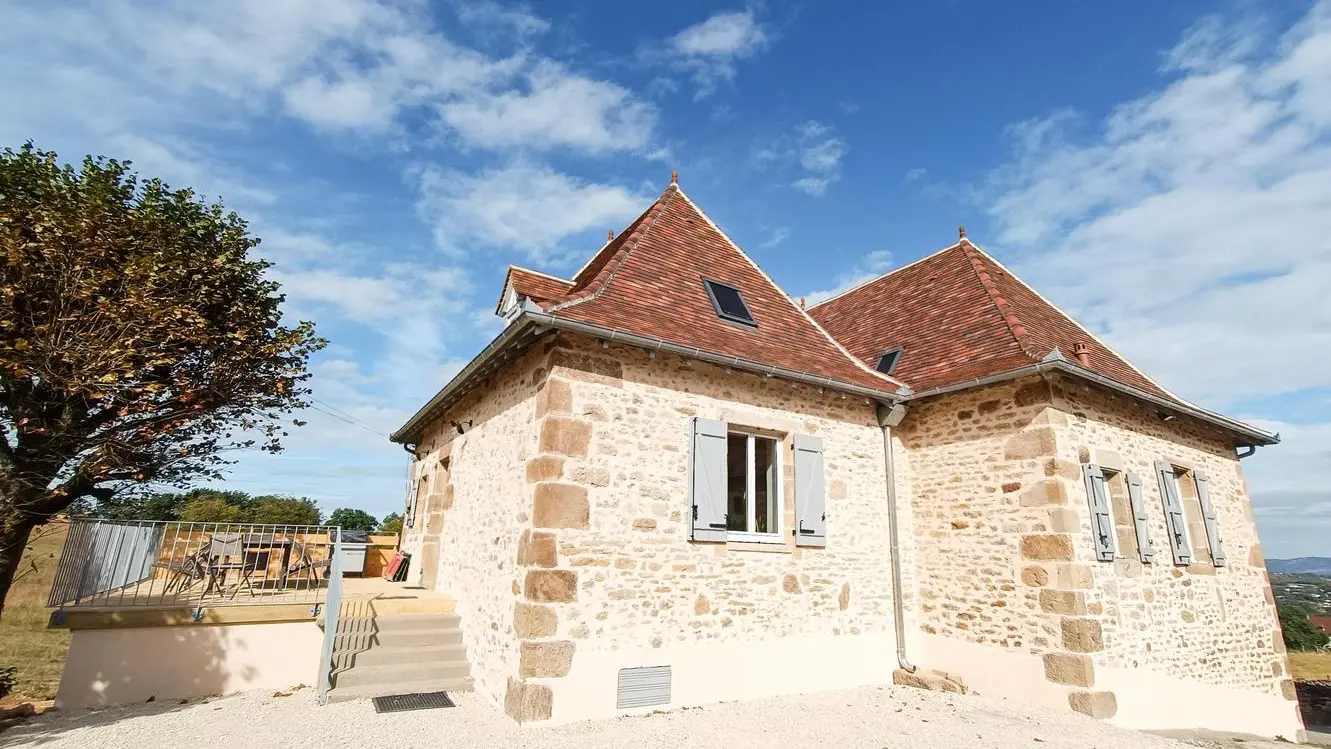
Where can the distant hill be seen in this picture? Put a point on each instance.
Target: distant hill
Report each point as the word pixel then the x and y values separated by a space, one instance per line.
pixel 1299 566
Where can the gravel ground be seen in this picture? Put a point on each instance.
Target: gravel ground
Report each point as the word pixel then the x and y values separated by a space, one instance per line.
pixel 874 717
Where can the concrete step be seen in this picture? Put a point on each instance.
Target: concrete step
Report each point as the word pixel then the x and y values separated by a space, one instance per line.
pixel 407 638
pixel 394 673
pixel 365 692
pixel 397 623
pixel 379 655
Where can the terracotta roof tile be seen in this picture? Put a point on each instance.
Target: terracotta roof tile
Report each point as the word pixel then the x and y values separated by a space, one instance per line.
pixel 649 281
pixel 537 287
pixel 958 315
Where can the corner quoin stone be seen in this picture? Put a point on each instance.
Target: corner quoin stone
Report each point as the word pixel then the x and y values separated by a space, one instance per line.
pixel 1047 492
pixel 545 659
pixel 537 549
pixel 565 436
pixel 1095 704
pixel 1070 669
pixel 1062 602
pixel 1082 635
pixel 528 702
pixel 531 620
pixel 1037 443
pixel 557 505
pixel 1047 546
pixel 555 396
pixel 544 468
pixel 551 586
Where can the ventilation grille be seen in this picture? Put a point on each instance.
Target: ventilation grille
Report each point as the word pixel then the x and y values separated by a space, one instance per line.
pixel 643 687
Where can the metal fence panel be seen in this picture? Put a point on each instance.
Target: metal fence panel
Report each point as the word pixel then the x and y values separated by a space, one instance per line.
pixel 113 564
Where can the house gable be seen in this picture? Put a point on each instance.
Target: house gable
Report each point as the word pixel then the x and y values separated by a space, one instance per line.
pixel 959 315
pixel 650 281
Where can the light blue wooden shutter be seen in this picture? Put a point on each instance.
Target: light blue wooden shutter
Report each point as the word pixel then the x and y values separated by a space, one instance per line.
pixel 1102 518
pixel 1208 515
pixel 707 480
pixel 810 492
pixel 1175 522
pixel 1140 520
pixel 412 488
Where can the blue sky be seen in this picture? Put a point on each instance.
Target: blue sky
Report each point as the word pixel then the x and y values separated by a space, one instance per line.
pixel 1162 170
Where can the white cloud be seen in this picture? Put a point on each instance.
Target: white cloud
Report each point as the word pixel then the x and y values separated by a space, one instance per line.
pixel 869 267
pixel 776 236
pixel 710 50
pixel 490 15
pixel 529 208
pixel 814 149
pixel 358 66
pixel 556 109
pixel 1190 228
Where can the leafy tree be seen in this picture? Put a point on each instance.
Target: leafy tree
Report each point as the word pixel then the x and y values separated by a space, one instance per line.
pixel 392 523
pixel 1300 634
pixel 353 520
pixel 138 341
pixel 282 511
pixel 211 510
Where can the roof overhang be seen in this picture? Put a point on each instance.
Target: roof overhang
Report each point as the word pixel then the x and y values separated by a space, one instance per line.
pixel 529 325
pixel 1248 434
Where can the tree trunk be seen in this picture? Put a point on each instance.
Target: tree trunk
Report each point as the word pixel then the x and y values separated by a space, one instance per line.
pixel 14 531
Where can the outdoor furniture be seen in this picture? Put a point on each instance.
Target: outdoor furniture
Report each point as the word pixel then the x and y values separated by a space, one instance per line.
pixel 306 564
pixel 226 553
pixel 184 574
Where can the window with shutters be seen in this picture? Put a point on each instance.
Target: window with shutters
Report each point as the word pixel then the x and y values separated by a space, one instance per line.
pixel 1125 526
pixel 417 490
pixel 1176 519
pixel 753 487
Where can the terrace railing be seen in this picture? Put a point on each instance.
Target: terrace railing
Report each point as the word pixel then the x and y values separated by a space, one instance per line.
pixel 112 564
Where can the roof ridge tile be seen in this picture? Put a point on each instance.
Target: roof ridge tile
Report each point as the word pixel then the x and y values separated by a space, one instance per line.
pixel 1005 309
pixel 601 281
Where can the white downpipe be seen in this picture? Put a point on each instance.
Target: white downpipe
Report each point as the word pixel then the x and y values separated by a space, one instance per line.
pixel 889 417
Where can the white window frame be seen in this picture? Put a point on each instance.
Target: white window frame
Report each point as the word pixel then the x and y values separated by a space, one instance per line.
pixel 751 490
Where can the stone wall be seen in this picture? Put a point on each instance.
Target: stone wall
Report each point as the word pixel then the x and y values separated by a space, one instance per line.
pixel 610 564
pixel 1215 625
pixel 474 507
pixel 1005 554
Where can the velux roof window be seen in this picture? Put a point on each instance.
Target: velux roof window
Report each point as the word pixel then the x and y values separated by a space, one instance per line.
pixel 887 362
pixel 728 303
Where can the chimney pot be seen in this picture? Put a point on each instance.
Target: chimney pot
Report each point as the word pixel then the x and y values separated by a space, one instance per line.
pixel 961 232
pixel 610 235
pixel 674 176
pixel 1083 354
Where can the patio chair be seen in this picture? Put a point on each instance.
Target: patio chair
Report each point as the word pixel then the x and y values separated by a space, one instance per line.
pixel 183 574
pixel 226 553
pixel 304 563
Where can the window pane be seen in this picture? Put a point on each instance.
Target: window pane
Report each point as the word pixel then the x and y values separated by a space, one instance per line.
pixel 766 509
pixel 737 455
pixel 729 303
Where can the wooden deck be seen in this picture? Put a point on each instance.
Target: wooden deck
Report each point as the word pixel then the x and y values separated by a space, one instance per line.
pixel 361 597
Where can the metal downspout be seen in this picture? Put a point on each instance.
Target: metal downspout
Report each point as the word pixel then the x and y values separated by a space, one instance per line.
pixel 889 417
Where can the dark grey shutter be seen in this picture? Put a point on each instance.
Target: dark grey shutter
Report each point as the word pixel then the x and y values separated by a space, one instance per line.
pixel 1208 515
pixel 707 480
pixel 1102 518
pixel 810 492
pixel 1140 520
pixel 1175 522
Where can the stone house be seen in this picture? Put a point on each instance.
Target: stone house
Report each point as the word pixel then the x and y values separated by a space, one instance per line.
pixel 667 483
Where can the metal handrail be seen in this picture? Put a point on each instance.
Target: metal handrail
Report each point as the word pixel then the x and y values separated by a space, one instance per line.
pixel 113 564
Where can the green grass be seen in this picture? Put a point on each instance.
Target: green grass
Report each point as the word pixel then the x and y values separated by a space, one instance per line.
pixel 26 644
pixel 1314 666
